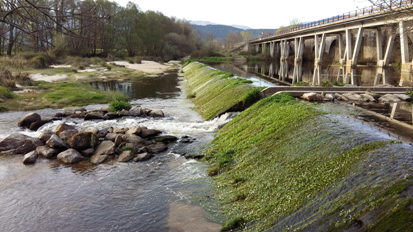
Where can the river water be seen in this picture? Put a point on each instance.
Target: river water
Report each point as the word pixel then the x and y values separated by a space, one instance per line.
pixel 161 194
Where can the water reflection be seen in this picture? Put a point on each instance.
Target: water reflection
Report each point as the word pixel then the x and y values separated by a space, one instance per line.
pixel 287 73
pixel 163 87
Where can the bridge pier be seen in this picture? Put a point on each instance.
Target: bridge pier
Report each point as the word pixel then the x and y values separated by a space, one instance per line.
pixel 298 59
pixel 319 51
pixel 406 68
pixel 285 51
pixel 382 63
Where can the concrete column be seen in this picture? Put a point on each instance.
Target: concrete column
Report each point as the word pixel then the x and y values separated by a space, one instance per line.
pixel 358 45
pixel 257 48
pixel 319 51
pixel 393 110
pixel 298 59
pixel 348 44
pixel 272 49
pixel 271 70
pixel 342 54
pixel 379 44
pixel 403 44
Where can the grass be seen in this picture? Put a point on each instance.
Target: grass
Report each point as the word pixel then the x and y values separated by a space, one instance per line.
pixel 216 59
pixel 269 162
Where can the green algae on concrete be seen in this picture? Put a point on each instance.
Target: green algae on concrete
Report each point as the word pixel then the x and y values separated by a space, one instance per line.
pixel 284 165
pixel 214 92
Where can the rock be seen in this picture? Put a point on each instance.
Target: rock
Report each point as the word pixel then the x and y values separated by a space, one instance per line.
pixel 157 148
pixel 46 151
pixel 88 152
pixel 131 138
pixel 105 148
pixel 125 156
pixel 353 97
pixel 68 112
pixel 118 140
pixel 67 134
pixel 27 146
pixel 403 97
pixel 45 135
pixel 330 96
pixel 384 86
pixel 102 133
pixel 124 113
pixel 83 141
pixel 70 156
pixel 93 115
pixel 92 130
pixel 142 157
pixel 142 150
pixel 57 143
pixel 80 110
pixel 389 98
pixel 28 119
pixel 341 97
pixel 136 111
pixel 146 111
pixel 62 127
pixel 156 113
pixel 313 97
pixel 367 98
pixel 98 159
pixel 373 94
pixel 13 141
pixel 145 133
pixel 36 125
pixel 111 136
pixel 134 130
pixel 30 158
pixel 104 109
pixel 58 115
pixel 120 130
pixel 165 139
pixel 110 116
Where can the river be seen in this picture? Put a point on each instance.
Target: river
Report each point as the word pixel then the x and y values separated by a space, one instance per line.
pixel 161 194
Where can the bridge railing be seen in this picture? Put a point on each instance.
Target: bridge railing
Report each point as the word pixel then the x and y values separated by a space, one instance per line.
pixel 388 5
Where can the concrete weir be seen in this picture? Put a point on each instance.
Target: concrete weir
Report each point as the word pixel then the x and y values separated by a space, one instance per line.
pixel 349 32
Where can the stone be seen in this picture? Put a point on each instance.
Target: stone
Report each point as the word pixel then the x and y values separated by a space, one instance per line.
pixel 98 159
pixel 134 130
pixel 110 116
pixel 58 115
pixel 70 156
pixel 367 98
pixel 67 134
pixel 57 143
pixel 313 97
pixel 68 112
pixel 146 111
pixel 330 96
pixel 157 148
pixel 131 138
pixel 136 111
pixel 403 97
pixel 83 141
pixel 125 156
pixel 123 113
pixel 120 130
pixel 102 133
pixel 36 125
pixel 105 148
pixel 92 130
pixel 111 136
pixel 13 141
pixel 28 119
pixel 341 97
pixel 143 150
pixel 156 113
pixel 62 127
pixel 118 140
pixel 93 115
pixel 30 158
pixel 145 133
pixel 165 139
pixel 104 109
pixel 389 98
pixel 88 152
pixel 47 152
pixel 26 147
pixel 373 94
pixel 142 157
pixel 353 97
pixel 45 135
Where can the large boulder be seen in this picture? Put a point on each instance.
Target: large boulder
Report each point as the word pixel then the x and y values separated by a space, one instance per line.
pixel 47 151
pixel 111 136
pixel 157 148
pixel 134 130
pixel 389 98
pixel 88 152
pixel 98 159
pixel 105 148
pixel 57 143
pixel 120 130
pixel 13 141
pixel 36 125
pixel 26 147
pixel 67 134
pixel 70 156
pixel 313 97
pixel 156 113
pixel 109 116
pixel 131 138
pixel 30 158
pixel 146 133
pixel 62 127
pixel 94 115
pixel 28 119
pixel 165 139
pixel 353 97
pixel 45 135
pixel 367 98
pixel 142 157
pixel 125 156
pixel 82 141
pixel 123 113
pixel 404 97
pixel 136 111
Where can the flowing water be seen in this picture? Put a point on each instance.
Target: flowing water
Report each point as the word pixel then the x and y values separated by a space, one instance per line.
pixel 156 195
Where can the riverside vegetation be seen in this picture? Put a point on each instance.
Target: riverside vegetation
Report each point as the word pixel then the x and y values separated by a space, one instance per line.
pixel 285 165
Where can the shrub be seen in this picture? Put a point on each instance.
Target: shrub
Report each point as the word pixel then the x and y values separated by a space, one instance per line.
pixel 131 61
pixel 119 106
pixel 137 59
pixel 38 61
pixel 3 109
pixel 195 54
pixel 336 83
pixel 9 95
pixel 325 84
pixel 301 83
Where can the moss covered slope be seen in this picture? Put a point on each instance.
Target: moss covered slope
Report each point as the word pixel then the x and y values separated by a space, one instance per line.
pixel 285 165
pixel 214 91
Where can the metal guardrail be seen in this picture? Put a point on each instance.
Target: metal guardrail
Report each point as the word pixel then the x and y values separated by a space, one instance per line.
pixel 392 4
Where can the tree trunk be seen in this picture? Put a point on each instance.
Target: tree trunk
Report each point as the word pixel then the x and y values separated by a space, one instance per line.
pixel 11 41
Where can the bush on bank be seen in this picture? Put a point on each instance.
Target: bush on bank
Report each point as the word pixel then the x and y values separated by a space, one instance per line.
pixel 287 165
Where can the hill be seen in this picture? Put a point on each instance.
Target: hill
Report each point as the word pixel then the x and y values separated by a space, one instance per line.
pixel 221 31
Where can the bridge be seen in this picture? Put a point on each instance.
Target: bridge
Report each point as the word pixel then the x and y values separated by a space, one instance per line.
pixel 346 29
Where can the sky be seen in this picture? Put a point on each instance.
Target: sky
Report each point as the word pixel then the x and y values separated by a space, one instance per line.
pixel 256 14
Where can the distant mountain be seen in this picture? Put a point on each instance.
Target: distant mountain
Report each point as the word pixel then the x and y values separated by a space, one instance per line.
pixel 201 23
pixel 241 27
pixel 221 31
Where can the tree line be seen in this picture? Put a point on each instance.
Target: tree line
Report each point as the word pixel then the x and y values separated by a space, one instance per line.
pixel 92 28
